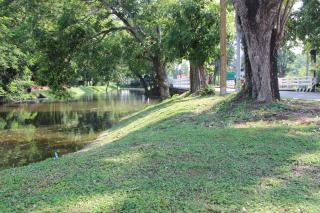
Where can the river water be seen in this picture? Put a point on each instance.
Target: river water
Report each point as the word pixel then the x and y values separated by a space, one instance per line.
pixel 37 131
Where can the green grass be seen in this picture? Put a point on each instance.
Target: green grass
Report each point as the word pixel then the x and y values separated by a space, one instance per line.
pixel 186 154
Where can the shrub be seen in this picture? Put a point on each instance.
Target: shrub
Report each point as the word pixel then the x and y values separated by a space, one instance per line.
pixel 208 91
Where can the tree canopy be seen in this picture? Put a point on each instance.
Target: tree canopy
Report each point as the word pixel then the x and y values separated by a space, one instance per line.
pixel 305 23
pixel 65 42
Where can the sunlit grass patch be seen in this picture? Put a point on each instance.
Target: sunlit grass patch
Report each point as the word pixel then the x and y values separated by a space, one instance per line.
pixel 186 154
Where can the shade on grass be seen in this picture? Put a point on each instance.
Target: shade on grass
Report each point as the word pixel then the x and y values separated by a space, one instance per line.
pixel 184 154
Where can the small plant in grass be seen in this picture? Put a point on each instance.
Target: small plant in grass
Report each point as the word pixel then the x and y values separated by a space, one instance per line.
pixel 208 91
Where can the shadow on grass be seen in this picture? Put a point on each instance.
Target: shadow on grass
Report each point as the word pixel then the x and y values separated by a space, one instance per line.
pixel 151 109
pixel 186 168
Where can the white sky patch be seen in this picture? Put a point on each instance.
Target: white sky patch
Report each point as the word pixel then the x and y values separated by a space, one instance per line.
pixel 297 5
pixel 297 50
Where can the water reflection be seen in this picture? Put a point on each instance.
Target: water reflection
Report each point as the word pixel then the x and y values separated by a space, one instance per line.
pixel 33 132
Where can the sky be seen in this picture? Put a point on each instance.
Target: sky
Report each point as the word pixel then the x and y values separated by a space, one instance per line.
pixel 298 5
pixel 298 49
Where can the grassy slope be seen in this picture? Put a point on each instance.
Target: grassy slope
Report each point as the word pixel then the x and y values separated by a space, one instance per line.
pixel 185 154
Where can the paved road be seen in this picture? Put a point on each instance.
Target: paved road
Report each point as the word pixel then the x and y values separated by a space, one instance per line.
pixel 291 95
pixel 288 94
pixel 300 95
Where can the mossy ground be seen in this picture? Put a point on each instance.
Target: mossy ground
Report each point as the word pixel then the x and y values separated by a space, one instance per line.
pixel 186 154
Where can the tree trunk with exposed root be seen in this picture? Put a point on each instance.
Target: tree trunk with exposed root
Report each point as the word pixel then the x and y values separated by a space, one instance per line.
pixel 262 25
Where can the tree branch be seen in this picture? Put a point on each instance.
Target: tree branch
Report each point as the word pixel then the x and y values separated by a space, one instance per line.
pixel 112 29
pixel 126 22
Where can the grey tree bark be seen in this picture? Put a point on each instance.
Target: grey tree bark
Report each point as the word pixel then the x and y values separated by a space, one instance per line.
pixel 198 77
pixel 257 18
pixel 262 24
pixel 274 73
pixel 162 78
pixel 248 87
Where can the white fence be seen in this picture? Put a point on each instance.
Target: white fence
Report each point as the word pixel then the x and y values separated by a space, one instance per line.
pixel 296 83
pixel 184 83
pixel 180 83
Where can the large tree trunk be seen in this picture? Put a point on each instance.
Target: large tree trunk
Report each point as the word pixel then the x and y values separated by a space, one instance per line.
pixel 162 78
pixel 198 77
pixel 257 20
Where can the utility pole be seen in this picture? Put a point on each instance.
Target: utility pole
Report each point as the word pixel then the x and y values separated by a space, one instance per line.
pixel 223 47
pixel 313 53
pixel 307 66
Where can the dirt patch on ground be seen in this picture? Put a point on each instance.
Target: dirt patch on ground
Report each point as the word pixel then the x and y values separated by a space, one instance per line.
pixel 195 172
pixel 302 170
pixel 240 114
pixel 136 144
pixel 296 112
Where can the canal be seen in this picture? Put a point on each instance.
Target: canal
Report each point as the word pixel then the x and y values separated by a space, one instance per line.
pixel 32 132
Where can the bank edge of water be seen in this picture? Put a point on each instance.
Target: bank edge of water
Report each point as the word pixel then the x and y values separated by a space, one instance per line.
pixel 143 164
pixel 72 93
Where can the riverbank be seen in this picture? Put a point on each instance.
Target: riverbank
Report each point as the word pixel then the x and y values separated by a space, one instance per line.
pixel 192 154
pixel 89 90
pixel 72 93
pixel 31 133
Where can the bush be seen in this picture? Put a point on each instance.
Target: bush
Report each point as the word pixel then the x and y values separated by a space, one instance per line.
pixel 2 92
pixel 17 90
pixel 208 91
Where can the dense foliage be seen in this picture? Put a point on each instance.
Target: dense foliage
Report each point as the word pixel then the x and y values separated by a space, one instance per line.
pixel 63 43
pixel 72 42
pixel 304 26
pixel 16 56
pixel 306 23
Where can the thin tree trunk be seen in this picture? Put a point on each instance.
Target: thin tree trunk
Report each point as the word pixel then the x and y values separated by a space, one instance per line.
pixel 223 47
pixel 194 78
pixel 210 79
pixel 216 71
pixel 107 87
pixel 248 87
pixel 214 79
pixel 162 77
pixel 142 81
pixel 274 67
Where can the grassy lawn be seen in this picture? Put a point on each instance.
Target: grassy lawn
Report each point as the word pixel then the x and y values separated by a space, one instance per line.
pixel 187 154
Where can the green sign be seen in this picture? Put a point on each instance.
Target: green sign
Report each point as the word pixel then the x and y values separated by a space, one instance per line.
pixel 231 76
